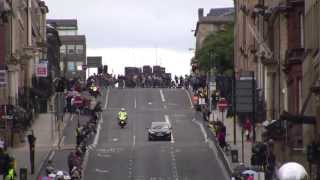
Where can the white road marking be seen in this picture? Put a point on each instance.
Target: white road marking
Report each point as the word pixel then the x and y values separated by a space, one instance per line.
pixel 72 116
pixel 107 99
pixel 134 141
pixel 62 141
pixel 96 138
pixel 189 97
pixel 102 171
pixel 135 103
pixel 103 155
pixel 52 155
pixel 205 135
pixel 167 119
pixel 162 96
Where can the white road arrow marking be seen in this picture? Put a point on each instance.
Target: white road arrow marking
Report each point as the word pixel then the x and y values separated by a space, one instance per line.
pixel 102 171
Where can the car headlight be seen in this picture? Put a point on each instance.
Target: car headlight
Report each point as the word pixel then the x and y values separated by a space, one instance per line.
pixel 151 132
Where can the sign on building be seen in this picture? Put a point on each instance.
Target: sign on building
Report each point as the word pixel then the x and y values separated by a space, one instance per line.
pixel 94 61
pixel 245 93
pixel 42 70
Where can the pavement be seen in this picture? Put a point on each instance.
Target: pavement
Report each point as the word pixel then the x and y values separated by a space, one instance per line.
pixel 127 153
pixel 46 132
pixel 68 141
pixel 244 152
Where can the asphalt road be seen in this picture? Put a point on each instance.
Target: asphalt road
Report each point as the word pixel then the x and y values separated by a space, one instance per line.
pixel 122 154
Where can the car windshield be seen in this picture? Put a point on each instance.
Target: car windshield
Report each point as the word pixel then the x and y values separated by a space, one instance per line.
pixel 160 126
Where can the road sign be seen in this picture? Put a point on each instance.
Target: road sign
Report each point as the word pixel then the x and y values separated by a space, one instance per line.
pixel 42 70
pixel 202 101
pixel 223 104
pixel 245 90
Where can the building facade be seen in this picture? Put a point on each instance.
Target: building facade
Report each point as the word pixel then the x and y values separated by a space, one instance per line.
pixel 73 49
pixel 285 58
pixel 22 47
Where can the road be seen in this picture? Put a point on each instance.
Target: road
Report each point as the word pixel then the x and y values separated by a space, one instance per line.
pixel 122 154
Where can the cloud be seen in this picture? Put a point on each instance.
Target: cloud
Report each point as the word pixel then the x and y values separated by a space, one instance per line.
pixel 126 32
pixel 135 23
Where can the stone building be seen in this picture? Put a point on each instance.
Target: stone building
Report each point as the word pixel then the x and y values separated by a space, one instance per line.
pixel 286 61
pixel 22 47
pixel 73 49
pixel 213 22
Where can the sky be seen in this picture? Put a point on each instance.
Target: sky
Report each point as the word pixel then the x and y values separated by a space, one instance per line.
pixel 137 32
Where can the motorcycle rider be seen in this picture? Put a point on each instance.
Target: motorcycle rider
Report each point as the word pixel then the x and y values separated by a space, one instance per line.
pixel 123 115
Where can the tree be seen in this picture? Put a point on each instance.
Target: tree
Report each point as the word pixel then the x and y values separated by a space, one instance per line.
pixel 218 47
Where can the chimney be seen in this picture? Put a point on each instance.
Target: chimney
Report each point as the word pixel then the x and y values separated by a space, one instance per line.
pixel 200 13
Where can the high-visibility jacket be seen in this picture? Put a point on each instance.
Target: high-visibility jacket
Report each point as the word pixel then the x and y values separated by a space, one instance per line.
pixel 78 131
pixel 10 175
pixel 122 115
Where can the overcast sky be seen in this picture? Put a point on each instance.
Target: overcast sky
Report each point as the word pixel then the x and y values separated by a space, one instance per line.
pixel 136 32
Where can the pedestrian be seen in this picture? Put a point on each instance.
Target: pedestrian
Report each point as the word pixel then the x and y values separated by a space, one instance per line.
pixel 71 158
pixel 247 127
pixel 78 136
pixel 11 173
pixel 222 139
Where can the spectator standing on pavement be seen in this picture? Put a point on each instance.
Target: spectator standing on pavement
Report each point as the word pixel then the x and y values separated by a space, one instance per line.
pixel 250 177
pixel 247 127
pixel 221 138
pixel 71 158
pixel 11 173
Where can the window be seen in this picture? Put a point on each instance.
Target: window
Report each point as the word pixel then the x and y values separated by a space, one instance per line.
pixel 79 66
pixel 302 30
pixel 63 49
pixel 62 66
pixel 71 49
pixel 79 49
pixel 71 66
pixel 67 32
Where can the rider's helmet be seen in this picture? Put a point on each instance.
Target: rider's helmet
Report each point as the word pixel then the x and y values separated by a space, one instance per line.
pixel 60 175
pixel 123 109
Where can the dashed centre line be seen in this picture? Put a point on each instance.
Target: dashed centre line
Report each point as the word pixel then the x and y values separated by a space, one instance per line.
pixel 162 96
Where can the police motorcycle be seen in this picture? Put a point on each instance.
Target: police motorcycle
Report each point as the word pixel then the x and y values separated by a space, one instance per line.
pixel 122 118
